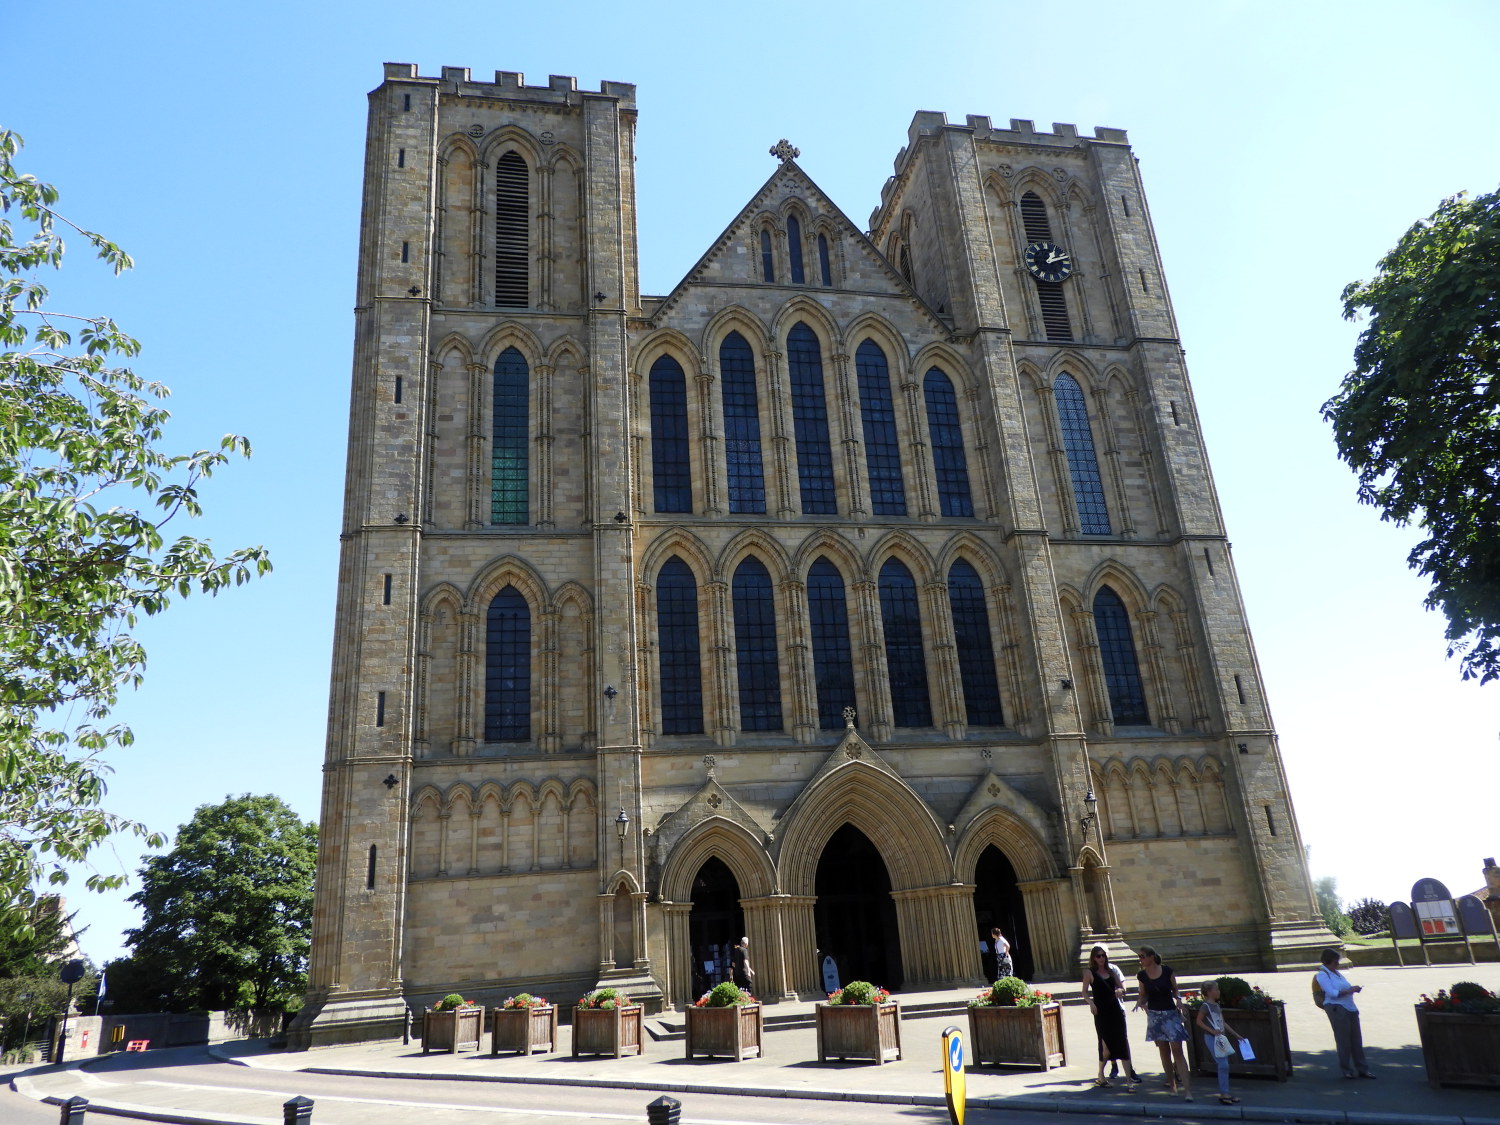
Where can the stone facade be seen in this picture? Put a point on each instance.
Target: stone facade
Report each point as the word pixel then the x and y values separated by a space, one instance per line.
pixel 582 725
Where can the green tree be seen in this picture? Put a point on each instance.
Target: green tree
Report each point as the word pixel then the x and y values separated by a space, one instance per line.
pixel 1369 916
pixel 85 491
pixel 1418 419
pixel 1327 891
pixel 227 912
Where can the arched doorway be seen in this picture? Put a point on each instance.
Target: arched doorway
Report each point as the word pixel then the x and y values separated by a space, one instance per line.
pixel 855 916
pixel 716 922
pixel 998 902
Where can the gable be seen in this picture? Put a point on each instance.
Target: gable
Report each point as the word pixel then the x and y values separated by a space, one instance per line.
pixel 735 258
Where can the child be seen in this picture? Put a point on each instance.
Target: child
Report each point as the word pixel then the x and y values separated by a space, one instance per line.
pixel 1211 1022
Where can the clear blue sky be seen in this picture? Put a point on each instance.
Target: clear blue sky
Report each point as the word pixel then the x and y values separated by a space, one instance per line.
pixel 1284 147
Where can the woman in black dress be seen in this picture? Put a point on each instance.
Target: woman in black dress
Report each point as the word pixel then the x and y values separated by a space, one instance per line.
pixel 1104 988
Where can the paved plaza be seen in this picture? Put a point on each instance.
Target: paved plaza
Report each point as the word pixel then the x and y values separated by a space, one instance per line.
pixel 1315 1093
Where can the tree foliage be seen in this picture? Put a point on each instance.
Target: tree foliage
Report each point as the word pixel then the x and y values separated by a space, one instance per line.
pixel 1329 906
pixel 228 911
pixel 85 491
pixel 1418 419
pixel 30 960
pixel 1370 916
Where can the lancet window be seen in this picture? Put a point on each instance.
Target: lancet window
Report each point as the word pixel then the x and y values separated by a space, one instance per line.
pixel 976 652
pixel 742 458
pixel 680 666
pixel 1122 673
pixel 906 665
pixel 671 471
pixel 1083 463
pixel 507 668
pixel 828 622
pixel 509 437
pixel 882 446
pixel 950 467
pixel 810 420
pixel 755 647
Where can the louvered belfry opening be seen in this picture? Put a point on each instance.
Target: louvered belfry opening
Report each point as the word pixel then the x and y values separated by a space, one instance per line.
pixel 1049 294
pixel 512 252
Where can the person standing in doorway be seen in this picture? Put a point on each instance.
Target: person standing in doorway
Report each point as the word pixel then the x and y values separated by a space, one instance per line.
pixel 1343 1014
pixel 1165 1025
pixel 1004 967
pixel 739 965
pixel 1104 989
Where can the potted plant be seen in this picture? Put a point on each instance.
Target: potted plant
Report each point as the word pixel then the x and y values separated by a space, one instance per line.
pixel 524 1024
pixel 453 1024
pixel 1013 1024
pixel 859 1021
pixel 726 1020
pixel 607 1022
pixel 1460 1030
pixel 1260 1018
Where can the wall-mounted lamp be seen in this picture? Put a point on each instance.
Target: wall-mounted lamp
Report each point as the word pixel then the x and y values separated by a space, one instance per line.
pixel 609 691
pixel 622 824
pixel 1091 813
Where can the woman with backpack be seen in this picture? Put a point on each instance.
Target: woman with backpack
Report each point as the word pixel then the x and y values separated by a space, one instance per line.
pixel 1104 989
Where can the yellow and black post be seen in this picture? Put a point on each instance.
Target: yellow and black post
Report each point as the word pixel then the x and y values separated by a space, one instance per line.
pixel 953 1074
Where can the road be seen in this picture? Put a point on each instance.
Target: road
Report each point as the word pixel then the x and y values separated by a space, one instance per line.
pixel 227 1092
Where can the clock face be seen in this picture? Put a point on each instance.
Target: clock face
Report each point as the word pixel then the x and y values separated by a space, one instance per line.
pixel 1048 261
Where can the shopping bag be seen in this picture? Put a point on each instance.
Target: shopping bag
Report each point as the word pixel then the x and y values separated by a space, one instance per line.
pixel 1246 1051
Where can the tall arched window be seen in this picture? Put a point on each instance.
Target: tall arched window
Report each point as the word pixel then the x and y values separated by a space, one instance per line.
pixel 882 447
pixel 833 662
pixel 1083 464
pixel 810 420
pixel 1049 294
pixel 794 249
pixel 507 668
pixel 767 261
pixel 747 482
pixel 677 646
pixel 512 232
pixel 755 647
pixel 976 653
pixel 1122 674
pixel 911 705
pixel 509 437
pixel 671 471
pixel 825 267
pixel 950 467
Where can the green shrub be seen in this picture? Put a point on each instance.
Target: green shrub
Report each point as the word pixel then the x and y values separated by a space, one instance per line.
pixel 859 992
pixel 727 995
pixel 1232 990
pixel 450 1003
pixel 1466 991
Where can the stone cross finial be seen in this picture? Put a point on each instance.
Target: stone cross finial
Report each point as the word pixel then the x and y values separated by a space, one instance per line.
pixel 849 718
pixel 783 151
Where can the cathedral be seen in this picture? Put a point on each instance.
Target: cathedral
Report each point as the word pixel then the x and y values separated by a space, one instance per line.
pixel 864 592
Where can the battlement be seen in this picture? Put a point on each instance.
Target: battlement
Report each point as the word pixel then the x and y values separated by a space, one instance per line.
pixel 928 123
pixel 560 88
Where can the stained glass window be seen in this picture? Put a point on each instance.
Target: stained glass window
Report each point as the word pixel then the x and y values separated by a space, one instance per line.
pixel 755 647
pixel 833 664
pixel 747 484
pixel 1083 465
pixel 976 653
pixel 882 447
pixel 905 664
pixel 509 437
pixel 507 668
pixel 671 471
pixel 810 420
pixel 1122 674
pixel 677 646
pixel 948 462
pixel 794 248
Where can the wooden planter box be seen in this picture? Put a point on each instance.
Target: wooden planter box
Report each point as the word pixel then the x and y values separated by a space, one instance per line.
pixel 734 1031
pixel 523 1030
pixel 1018 1036
pixel 859 1031
pixel 608 1031
pixel 458 1030
pixel 1267 1034
pixel 1460 1049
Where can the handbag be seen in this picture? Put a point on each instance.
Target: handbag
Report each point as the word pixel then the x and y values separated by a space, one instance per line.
pixel 1223 1048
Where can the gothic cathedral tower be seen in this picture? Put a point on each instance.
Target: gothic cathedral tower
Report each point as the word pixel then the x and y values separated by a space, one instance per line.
pixel 865 592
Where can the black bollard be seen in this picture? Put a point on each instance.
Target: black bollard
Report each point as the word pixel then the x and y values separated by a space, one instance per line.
pixel 663 1111
pixel 406 1029
pixel 73 1111
pixel 298 1111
